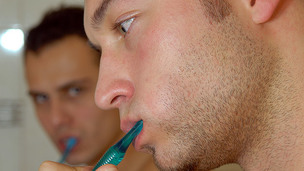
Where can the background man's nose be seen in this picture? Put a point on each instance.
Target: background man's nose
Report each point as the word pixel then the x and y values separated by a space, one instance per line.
pixel 59 116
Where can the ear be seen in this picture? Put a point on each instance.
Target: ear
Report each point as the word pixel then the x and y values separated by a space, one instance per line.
pixel 262 10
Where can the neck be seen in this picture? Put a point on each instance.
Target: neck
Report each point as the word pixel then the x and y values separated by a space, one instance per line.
pixel 281 148
pixel 282 144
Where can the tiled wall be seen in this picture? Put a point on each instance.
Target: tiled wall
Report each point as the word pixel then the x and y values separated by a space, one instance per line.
pixel 23 145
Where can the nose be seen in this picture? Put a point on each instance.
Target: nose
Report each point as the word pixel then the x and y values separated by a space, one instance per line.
pixel 114 87
pixel 59 116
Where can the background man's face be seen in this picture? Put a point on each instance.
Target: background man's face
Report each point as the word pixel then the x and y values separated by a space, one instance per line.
pixel 62 78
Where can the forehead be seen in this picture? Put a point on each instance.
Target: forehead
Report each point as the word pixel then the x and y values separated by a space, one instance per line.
pixel 61 61
pixel 96 12
pixel 69 50
pixel 90 7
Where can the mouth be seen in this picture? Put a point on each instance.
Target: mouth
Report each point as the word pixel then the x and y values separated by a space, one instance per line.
pixel 127 125
pixel 64 141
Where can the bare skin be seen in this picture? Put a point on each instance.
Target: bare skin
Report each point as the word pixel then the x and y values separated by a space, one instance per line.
pixel 62 78
pixel 62 81
pixel 228 89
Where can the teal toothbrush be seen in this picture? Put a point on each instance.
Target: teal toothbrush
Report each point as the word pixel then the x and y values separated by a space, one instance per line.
pixel 116 153
pixel 71 142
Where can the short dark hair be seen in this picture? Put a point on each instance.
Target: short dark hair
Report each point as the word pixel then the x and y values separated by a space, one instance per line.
pixel 55 25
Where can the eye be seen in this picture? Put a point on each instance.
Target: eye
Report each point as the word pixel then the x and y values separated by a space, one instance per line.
pixel 41 98
pixel 74 91
pixel 125 25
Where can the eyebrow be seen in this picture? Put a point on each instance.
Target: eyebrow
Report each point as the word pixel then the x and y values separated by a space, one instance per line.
pixel 73 83
pixel 63 87
pixel 100 13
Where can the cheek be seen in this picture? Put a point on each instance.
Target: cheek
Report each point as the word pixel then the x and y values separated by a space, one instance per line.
pixel 159 55
pixel 46 123
pixel 157 101
pixel 102 128
pixel 93 117
pixel 156 52
pixel 86 113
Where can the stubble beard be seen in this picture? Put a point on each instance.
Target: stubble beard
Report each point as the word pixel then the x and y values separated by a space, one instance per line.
pixel 217 112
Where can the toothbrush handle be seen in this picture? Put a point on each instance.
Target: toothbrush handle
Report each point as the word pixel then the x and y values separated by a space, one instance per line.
pixel 112 156
pixel 115 154
pixel 65 154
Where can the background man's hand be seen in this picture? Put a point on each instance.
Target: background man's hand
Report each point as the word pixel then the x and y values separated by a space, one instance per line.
pixel 107 167
pixel 54 166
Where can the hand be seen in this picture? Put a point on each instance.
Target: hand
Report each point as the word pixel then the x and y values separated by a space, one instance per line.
pixel 107 167
pixel 53 166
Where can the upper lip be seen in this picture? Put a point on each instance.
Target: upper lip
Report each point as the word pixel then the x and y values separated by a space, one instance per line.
pixel 126 125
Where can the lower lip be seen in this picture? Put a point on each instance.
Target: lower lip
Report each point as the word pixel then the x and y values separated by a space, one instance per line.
pixel 61 146
pixel 137 141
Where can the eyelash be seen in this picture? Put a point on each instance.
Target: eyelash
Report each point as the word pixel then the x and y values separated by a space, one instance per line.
pixel 118 26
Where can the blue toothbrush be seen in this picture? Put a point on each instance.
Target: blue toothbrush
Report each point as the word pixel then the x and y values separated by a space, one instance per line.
pixel 71 142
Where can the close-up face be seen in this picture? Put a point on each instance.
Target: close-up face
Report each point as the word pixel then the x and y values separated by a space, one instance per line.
pixel 61 80
pixel 185 72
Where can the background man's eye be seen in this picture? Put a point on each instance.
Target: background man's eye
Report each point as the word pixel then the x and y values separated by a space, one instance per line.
pixel 41 98
pixel 124 26
pixel 74 91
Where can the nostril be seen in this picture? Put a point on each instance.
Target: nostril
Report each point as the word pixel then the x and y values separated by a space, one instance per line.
pixel 113 93
pixel 114 99
pixel 117 100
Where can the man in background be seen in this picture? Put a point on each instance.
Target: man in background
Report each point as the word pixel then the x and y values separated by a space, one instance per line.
pixel 62 72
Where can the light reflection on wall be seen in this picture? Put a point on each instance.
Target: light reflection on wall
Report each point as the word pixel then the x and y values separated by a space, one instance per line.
pixel 12 40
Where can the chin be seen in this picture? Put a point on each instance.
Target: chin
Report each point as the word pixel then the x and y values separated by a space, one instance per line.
pixel 73 161
pixel 76 160
pixel 180 167
pixel 169 161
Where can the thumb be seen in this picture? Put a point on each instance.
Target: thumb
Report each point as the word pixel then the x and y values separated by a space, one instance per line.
pixel 107 167
pixel 51 166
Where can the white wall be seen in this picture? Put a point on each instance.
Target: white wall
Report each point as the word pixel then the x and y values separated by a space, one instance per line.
pixel 23 146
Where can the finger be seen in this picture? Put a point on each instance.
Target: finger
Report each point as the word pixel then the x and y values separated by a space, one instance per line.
pixel 107 167
pixel 52 166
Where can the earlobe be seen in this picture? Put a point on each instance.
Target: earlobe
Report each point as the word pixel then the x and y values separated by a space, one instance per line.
pixel 262 10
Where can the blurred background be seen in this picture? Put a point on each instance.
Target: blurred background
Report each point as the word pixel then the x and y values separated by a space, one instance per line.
pixel 23 143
